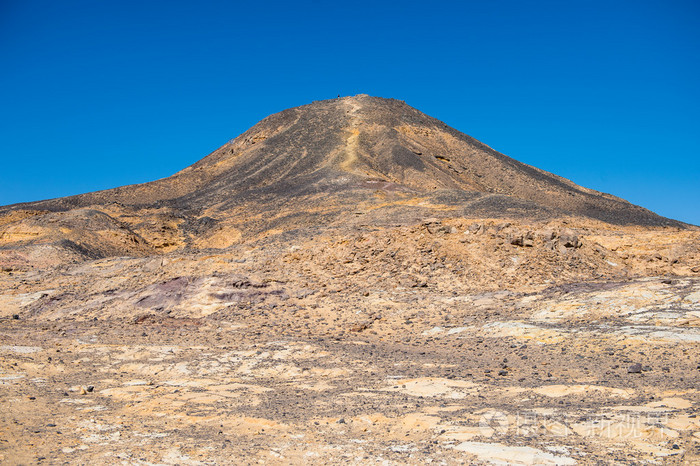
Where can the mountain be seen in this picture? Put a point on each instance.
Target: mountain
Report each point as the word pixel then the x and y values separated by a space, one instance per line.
pixel 330 164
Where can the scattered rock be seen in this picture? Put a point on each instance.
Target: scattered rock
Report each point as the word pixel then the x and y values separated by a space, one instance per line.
pixel 304 292
pixel 568 239
pixel 526 239
pixel 475 228
pixel 435 226
pixel 548 235
pixel 634 369
pixel 516 240
pixel 359 327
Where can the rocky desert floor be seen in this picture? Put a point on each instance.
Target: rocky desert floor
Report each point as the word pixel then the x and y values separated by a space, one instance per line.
pixel 446 342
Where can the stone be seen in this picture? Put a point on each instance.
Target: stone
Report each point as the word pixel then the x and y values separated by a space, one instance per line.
pixel 634 369
pixel 548 235
pixel 516 240
pixel 569 239
pixel 435 226
pixel 475 228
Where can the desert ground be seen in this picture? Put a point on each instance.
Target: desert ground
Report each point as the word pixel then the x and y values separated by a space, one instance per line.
pixel 446 342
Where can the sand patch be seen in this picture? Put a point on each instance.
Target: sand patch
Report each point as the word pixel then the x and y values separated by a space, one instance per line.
pixel 556 391
pixel 498 453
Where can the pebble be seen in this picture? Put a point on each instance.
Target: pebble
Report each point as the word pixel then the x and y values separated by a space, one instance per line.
pixel 634 369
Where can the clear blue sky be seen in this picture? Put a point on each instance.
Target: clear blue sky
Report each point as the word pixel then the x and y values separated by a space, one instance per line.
pixel 96 94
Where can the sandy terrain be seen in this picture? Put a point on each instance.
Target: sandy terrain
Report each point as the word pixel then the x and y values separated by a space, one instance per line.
pixel 349 281
pixel 275 354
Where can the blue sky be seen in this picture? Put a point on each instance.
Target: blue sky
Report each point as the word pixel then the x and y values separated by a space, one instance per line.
pixel 95 95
